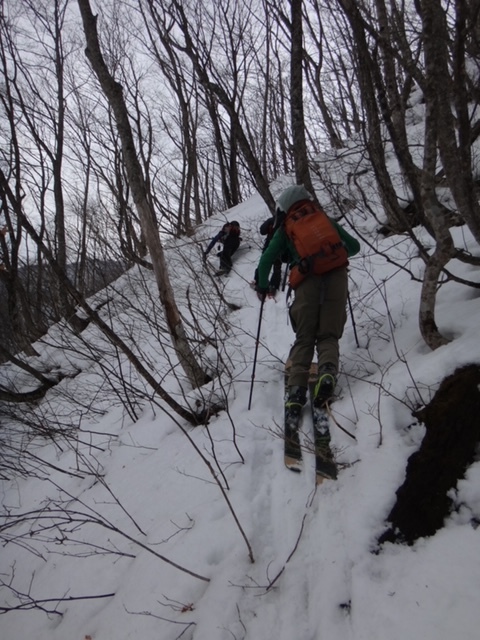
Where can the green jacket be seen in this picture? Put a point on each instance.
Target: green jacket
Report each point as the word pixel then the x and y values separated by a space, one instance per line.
pixel 280 243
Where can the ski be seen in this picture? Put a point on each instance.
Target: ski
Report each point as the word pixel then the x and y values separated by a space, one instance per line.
pixel 325 467
pixel 293 450
pixel 291 436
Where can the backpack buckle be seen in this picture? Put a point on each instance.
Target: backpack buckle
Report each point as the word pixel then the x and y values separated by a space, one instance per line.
pixel 305 266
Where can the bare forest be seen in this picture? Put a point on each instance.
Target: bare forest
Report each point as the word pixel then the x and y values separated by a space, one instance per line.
pixel 125 125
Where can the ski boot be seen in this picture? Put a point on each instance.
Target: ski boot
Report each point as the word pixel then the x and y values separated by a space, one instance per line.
pixel 325 385
pixel 296 399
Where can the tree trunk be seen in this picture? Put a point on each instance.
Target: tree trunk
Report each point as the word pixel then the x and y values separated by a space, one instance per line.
pixel 220 94
pixel 313 73
pixel 302 172
pixel 393 108
pixel 114 94
pixel 455 156
pixel 365 70
pixel 444 249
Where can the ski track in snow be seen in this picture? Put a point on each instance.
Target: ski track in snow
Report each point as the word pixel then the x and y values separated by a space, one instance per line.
pixel 330 577
pixel 277 508
pixel 279 504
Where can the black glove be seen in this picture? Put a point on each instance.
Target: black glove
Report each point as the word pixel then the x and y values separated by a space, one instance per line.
pixel 261 292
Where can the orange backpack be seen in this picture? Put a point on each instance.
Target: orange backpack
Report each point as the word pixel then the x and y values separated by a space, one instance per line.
pixel 315 239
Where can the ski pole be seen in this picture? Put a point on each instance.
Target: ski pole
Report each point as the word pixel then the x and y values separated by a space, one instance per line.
pixel 353 320
pixel 256 350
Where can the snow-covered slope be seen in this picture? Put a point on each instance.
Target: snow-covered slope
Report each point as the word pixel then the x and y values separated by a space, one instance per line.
pixel 170 549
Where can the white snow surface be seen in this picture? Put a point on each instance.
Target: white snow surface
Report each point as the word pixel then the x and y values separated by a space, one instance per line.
pixel 317 572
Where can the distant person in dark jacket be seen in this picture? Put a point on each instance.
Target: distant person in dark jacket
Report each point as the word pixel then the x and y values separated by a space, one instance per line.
pixel 267 228
pixel 229 237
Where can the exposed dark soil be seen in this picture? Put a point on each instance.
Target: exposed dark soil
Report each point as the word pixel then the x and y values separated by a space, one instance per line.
pixel 452 422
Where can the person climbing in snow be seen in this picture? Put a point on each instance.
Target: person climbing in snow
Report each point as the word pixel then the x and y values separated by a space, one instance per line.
pixel 229 237
pixel 267 228
pixel 318 313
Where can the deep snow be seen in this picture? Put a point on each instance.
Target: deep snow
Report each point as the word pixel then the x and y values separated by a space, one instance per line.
pixel 317 574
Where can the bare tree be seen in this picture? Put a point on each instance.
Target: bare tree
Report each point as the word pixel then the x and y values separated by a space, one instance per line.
pixel 393 57
pixel 365 70
pixel 113 92
pixel 92 313
pixel 449 89
pixel 187 120
pixel 302 172
pixel 333 99
pixel 23 325
pixel 202 62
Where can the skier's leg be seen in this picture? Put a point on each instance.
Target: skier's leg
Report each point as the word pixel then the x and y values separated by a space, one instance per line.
pixel 229 247
pixel 332 320
pixel 304 314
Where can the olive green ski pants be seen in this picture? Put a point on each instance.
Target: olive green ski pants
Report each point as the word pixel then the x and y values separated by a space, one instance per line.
pixel 318 316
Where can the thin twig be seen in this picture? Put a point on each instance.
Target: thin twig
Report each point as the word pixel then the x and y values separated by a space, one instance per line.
pixel 290 556
pixel 330 415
